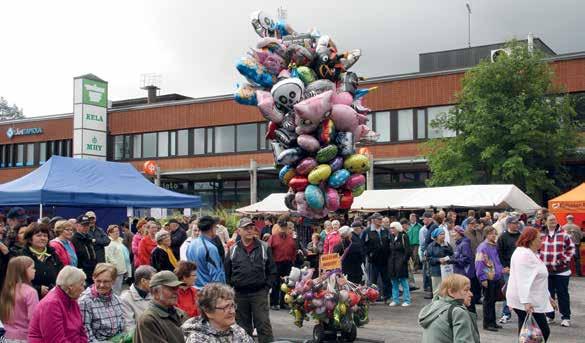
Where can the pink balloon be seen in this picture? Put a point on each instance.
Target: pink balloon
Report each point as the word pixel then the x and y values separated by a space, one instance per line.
pixel 266 107
pixel 306 165
pixel 343 98
pixel 308 143
pixel 310 112
pixel 331 199
pixel 346 118
pixel 355 180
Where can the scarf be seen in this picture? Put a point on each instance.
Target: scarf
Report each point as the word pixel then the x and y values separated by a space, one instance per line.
pixel 172 257
pixel 94 293
pixel 40 255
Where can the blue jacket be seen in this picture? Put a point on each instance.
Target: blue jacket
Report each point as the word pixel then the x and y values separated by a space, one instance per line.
pixel 463 258
pixel 204 254
pixel 435 252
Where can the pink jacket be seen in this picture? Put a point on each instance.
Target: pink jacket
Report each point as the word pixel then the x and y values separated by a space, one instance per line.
pixel 61 251
pixel 25 303
pixel 135 244
pixel 332 239
pixel 57 319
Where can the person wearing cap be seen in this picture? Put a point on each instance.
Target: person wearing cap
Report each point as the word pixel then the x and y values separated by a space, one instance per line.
pixel 352 255
pixel 506 244
pixel 251 271
pixel 83 244
pixel 161 321
pixel 284 252
pixel 463 258
pixel 438 253
pixel 413 237
pixel 15 218
pixel 204 253
pixel 577 236
pixel 99 237
pixel 162 257
pixel 147 243
pixel 178 236
pixel 375 239
pixel 399 254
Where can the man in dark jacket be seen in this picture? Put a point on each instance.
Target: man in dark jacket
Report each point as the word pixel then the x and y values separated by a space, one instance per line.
pixel 427 229
pixel 84 247
pixel 375 240
pixel 178 236
pixel 351 251
pixel 98 236
pixel 506 245
pixel 251 271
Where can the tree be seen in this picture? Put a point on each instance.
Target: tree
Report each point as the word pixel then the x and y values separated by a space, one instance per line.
pixel 9 112
pixel 514 125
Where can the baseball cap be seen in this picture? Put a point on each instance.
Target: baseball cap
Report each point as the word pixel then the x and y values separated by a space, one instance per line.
pixel 90 214
pixel 511 220
pixel 83 219
pixel 428 214
pixel 245 221
pixel 165 278
pixel 376 215
pixel 17 213
pixel 356 223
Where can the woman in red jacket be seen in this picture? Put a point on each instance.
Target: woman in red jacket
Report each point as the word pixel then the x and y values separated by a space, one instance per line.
pixel 147 244
pixel 187 301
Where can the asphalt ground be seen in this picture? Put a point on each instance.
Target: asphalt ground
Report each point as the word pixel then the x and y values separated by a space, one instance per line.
pixel 399 324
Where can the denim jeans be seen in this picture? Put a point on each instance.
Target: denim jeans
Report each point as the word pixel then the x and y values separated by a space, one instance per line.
pixel 396 282
pixel 505 308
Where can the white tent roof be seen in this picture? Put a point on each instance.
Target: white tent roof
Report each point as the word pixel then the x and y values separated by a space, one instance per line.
pixel 473 196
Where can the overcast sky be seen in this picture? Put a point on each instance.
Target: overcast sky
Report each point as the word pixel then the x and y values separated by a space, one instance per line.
pixel 194 44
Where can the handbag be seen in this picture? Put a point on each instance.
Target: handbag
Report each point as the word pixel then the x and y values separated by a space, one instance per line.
pixel 501 288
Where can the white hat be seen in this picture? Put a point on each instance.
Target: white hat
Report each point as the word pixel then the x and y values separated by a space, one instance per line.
pixel 344 230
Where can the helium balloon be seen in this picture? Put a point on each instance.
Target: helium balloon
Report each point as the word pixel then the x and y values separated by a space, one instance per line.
pixel 289 156
pixel 310 112
pixel 318 87
pixel 331 199
pixel 287 93
pixel 359 190
pixel 326 153
pixel 357 164
pixel 306 165
pixel 346 200
pixel 263 24
pixel 266 107
pixel 336 163
pixel 306 74
pixel 319 174
pixel 326 132
pixel 308 143
pixel 346 118
pixel 354 181
pixel 289 201
pixel 286 173
pixel 314 197
pixel 298 183
pixel 270 130
pixel 246 95
pixel 255 73
pixel 287 138
pixel 344 141
pixel 338 178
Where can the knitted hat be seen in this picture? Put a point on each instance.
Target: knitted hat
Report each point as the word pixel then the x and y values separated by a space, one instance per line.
pixel 436 232
pixel 162 234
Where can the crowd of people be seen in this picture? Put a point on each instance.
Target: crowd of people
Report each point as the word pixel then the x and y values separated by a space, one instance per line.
pixel 190 280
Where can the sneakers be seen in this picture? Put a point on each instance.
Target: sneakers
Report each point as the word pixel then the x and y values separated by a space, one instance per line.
pixel 550 320
pixel 405 304
pixel 392 304
pixel 275 307
pixel 504 319
pixel 566 323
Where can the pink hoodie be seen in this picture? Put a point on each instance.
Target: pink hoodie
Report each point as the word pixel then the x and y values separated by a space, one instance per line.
pixel 332 239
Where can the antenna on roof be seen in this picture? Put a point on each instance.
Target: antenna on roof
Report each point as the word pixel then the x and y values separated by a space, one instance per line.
pixel 468 5
pixel 151 82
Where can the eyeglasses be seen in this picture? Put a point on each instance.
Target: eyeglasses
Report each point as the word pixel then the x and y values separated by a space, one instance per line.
pixel 228 307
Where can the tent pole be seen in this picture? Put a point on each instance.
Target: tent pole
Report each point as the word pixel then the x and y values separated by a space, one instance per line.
pixel 40 211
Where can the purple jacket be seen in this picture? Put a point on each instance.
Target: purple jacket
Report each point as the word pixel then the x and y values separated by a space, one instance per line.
pixel 487 260
pixel 57 319
pixel 463 258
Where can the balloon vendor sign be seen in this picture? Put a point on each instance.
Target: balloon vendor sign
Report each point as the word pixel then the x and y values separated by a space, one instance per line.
pixel 302 85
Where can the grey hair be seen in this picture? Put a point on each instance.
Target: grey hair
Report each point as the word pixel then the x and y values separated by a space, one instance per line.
pixel 143 272
pixel 210 294
pixel 69 276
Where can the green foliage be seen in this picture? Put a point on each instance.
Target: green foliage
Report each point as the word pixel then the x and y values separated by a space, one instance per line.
pixel 230 218
pixel 9 112
pixel 514 125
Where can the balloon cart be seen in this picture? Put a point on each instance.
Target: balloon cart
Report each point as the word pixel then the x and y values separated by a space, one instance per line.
pixel 337 305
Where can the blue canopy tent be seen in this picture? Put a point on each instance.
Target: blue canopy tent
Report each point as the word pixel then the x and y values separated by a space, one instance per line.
pixel 64 181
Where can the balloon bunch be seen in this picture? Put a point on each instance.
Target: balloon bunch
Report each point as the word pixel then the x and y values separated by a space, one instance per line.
pixel 301 84
pixel 330 298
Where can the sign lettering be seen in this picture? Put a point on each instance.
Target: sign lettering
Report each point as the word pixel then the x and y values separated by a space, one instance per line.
pixel 11 132
pixel 330 262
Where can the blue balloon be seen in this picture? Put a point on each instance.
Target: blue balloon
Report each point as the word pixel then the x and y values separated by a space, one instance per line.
pixel 254 72
pixel 339 178
pixel 314 197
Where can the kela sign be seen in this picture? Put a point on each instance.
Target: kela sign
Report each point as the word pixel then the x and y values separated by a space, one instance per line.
pixel 11 132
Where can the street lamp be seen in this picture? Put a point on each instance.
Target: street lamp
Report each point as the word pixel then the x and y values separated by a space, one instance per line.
pixel 468 5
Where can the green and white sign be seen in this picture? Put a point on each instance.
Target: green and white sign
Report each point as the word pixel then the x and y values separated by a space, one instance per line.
pixel 90 119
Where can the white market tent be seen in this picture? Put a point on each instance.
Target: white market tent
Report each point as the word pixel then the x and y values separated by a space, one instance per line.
pixel 473 196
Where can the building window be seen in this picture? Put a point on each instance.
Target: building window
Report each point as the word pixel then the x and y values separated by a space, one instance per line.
pixel 2 148
pixel 210 133
pixel 183 142
pixel 405 125
pixel 173 143
pixel 262 134
pixel 224 139
pixel 247 137
pixel 30 154
pixel 20 155
pixel 56 148
pixel 433 113
pixel 118 147
pixel 199 141
pixel 383 126
pixel 137 146
pixel 42 152
pixel 370 122
pixel 421 124
pixel 149 145
pixel 163 144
